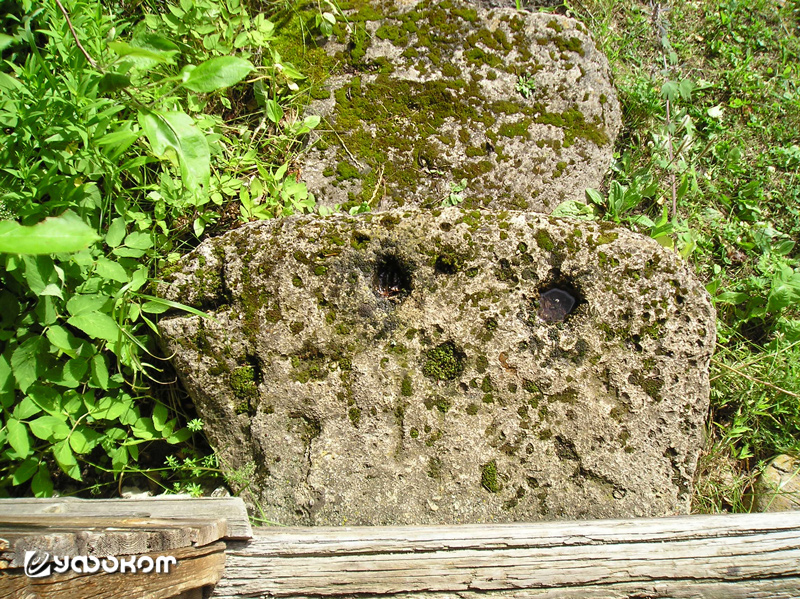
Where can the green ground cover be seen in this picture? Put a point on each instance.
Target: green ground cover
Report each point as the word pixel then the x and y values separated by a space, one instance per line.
pixel 708 162
pixel 175 121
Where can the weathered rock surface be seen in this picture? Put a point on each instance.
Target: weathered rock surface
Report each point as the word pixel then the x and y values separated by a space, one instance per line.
pixel 519 105
pixel 778 487
pixel 421 368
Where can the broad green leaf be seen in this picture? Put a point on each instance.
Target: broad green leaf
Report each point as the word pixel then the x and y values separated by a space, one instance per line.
pixel 85 304
pixel 123 49
pixel 179 436
pixel 116 232
pixel 595 197
pixel 25 471
pixel 97 325
pixel 160 416
pixel 49 427
pixel 139 240
pixel 783 247
pixel 119 458
pixel 47 398
pixel 52 290
pixel 18 437
pixel 111 82
pixel 110 270
pixel 732 297
pixel 73 372
pixel 127 253
pixel 217 73
pixel 26 408
pixel 109 409
pixel 63 340
pixel 46 312
pixel 40 272
pixel 574 209
pixel 176 132
pixel 54 235
pixel 83 439
pixel 6 376
pixel 785 292
pixel 26 362
pixel 66 459
pixel 72 403
pixel 42 484
pixel 5 42
pixel 139 278
pixel 274 111
pixel 146 50
pixel 99 371
pixel 143 428
pixel 116 434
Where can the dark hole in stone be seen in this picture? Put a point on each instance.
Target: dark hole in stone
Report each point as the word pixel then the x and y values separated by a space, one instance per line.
pixel 392 278
pixel 558 299
pixel 555 304
pixel 446 265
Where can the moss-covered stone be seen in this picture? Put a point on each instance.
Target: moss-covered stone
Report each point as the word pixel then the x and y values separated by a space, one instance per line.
pixel 489 477
pixel 338 375
pixel 444 362
pixel 390 129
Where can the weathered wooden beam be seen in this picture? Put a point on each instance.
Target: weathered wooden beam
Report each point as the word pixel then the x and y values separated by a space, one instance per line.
pixel 720 556
pixel 231 509
pixel 81 535
pixel 196 567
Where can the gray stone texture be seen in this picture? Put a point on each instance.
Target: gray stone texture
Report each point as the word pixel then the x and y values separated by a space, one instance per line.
pixel 520 105
pixel 416 367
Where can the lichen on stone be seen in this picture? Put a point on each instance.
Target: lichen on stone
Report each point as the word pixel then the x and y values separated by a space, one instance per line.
pixel 409 123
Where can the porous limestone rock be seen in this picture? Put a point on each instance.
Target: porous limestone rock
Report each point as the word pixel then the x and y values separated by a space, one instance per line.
pixel 414 367
pixel 778 487
pixel 517 105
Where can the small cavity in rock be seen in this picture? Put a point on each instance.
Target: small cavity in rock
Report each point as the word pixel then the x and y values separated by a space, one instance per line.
pixel 555 304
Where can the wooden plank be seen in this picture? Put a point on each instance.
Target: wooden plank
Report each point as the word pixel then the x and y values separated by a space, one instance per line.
pixel 743 555
pixel 79 535
pixel 198 531
pixel 231 509
pixel 196 567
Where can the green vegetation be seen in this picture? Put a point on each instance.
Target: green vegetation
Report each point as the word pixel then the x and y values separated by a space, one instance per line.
pixel 179 121
pixel 124 137
pixel 707 164
pixel 489 478
pixel 444 362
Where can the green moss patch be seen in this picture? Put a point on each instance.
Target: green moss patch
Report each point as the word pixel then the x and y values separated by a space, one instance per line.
pixel 444 362
pixel 489 478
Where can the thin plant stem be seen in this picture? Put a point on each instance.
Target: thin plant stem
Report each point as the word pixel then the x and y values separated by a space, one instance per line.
pixel 755 380
pixel 75 35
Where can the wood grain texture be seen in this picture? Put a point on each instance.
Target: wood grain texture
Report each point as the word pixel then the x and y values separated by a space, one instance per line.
pixel 231 509
pixel 104 536
pixel 723 556
pixel 196 567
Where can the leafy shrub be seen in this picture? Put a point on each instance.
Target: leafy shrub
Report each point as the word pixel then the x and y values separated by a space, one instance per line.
pixel 108 139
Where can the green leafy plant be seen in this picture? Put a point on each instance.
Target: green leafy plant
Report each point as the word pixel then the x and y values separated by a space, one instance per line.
pixel 526 85
pixel 114 154
pixel 455 197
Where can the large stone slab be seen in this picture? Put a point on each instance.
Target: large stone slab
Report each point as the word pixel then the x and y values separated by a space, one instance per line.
pixel 519 105
pixel 446 367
